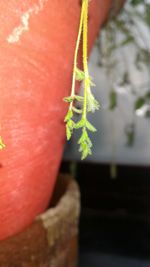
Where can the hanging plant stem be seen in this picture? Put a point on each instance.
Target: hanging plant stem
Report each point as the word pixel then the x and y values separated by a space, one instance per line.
pixel 76 54
pixel 89 103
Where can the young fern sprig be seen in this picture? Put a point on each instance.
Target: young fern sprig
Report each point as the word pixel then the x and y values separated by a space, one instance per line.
pixel 70 99
pixel 89 103
pixel 2 145
pixel 76 55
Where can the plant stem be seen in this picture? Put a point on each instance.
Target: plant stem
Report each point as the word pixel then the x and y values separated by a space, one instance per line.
pixel 88 100
pixel 76 52
pixel 85 63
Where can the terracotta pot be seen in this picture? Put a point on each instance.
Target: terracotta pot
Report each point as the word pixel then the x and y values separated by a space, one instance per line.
pixel 51 240
pixel 36 54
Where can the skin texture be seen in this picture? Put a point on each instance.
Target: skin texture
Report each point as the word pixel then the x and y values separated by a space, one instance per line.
pixel 37 40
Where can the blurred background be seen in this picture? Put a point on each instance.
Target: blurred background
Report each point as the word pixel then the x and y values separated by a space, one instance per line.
pixel 115 180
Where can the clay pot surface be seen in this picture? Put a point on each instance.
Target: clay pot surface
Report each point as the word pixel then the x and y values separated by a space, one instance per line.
pixel 51 240
pixel 36 55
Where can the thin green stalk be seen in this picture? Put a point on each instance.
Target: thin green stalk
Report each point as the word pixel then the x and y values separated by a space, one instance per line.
pixel 76 53
pixel 89 103
pixel 85 63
